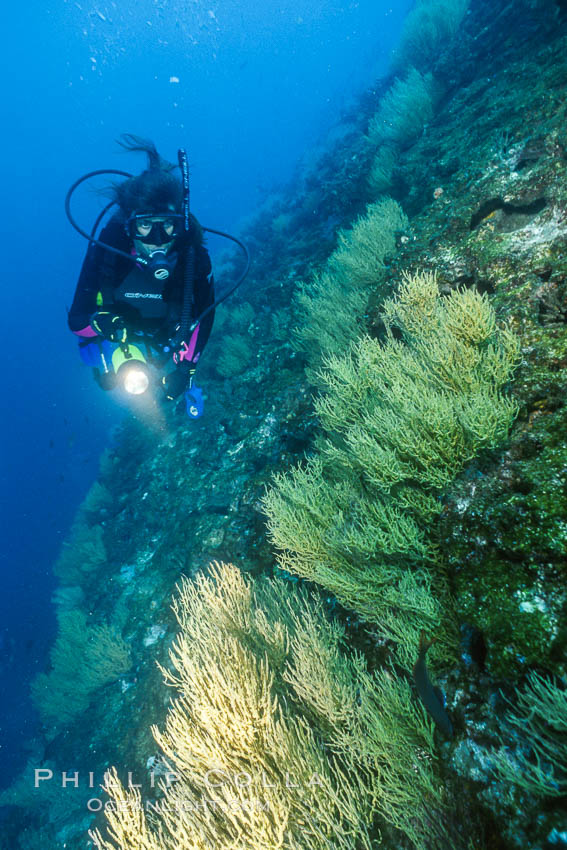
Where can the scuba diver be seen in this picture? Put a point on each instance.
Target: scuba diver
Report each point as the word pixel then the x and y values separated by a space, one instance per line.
pixel 145 295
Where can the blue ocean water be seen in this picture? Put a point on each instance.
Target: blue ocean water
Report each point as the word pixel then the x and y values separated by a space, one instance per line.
pixel 248 88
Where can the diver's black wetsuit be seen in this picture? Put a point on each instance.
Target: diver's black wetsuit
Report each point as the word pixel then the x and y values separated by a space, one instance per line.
pixel 112 283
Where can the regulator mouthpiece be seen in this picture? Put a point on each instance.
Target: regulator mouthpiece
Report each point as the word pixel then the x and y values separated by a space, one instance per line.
pixel 161 265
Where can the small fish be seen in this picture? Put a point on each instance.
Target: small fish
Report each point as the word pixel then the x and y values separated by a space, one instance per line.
pixel 431 697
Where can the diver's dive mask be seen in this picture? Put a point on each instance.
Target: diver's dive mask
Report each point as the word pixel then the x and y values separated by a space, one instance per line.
pixel 155 229
pixel 159 230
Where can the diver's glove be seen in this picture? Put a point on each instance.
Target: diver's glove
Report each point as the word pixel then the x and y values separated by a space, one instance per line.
pixel 109 326
pixel 176 382
pixel 194 402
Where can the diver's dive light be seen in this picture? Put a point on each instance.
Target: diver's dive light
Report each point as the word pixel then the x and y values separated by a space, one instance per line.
pixel 136 381
pixel 131 369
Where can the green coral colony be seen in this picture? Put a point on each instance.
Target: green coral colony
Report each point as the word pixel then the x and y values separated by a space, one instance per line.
pixel 420 494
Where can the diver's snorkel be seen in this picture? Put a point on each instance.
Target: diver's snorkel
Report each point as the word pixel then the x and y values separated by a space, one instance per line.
pixel 185 329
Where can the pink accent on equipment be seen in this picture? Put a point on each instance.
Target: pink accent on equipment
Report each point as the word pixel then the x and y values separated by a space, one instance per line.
pixel 133 252
pixel 88 331
pixel 192 343
pixel 186 352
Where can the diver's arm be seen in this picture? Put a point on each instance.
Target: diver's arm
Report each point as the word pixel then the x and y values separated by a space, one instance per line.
pixel 101 271
pixel 84 303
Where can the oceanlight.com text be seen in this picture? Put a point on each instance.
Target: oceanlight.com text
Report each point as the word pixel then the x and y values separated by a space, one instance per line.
pixel 156 806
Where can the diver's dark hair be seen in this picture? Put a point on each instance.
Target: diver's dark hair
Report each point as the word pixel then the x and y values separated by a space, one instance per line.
pixel 155 189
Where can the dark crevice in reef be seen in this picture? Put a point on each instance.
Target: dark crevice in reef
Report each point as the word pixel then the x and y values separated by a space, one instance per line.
pixel 531 153
pixel 551 299
pixel 484 287
pixel 515 216
pixel 534 150
pixel 470 281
